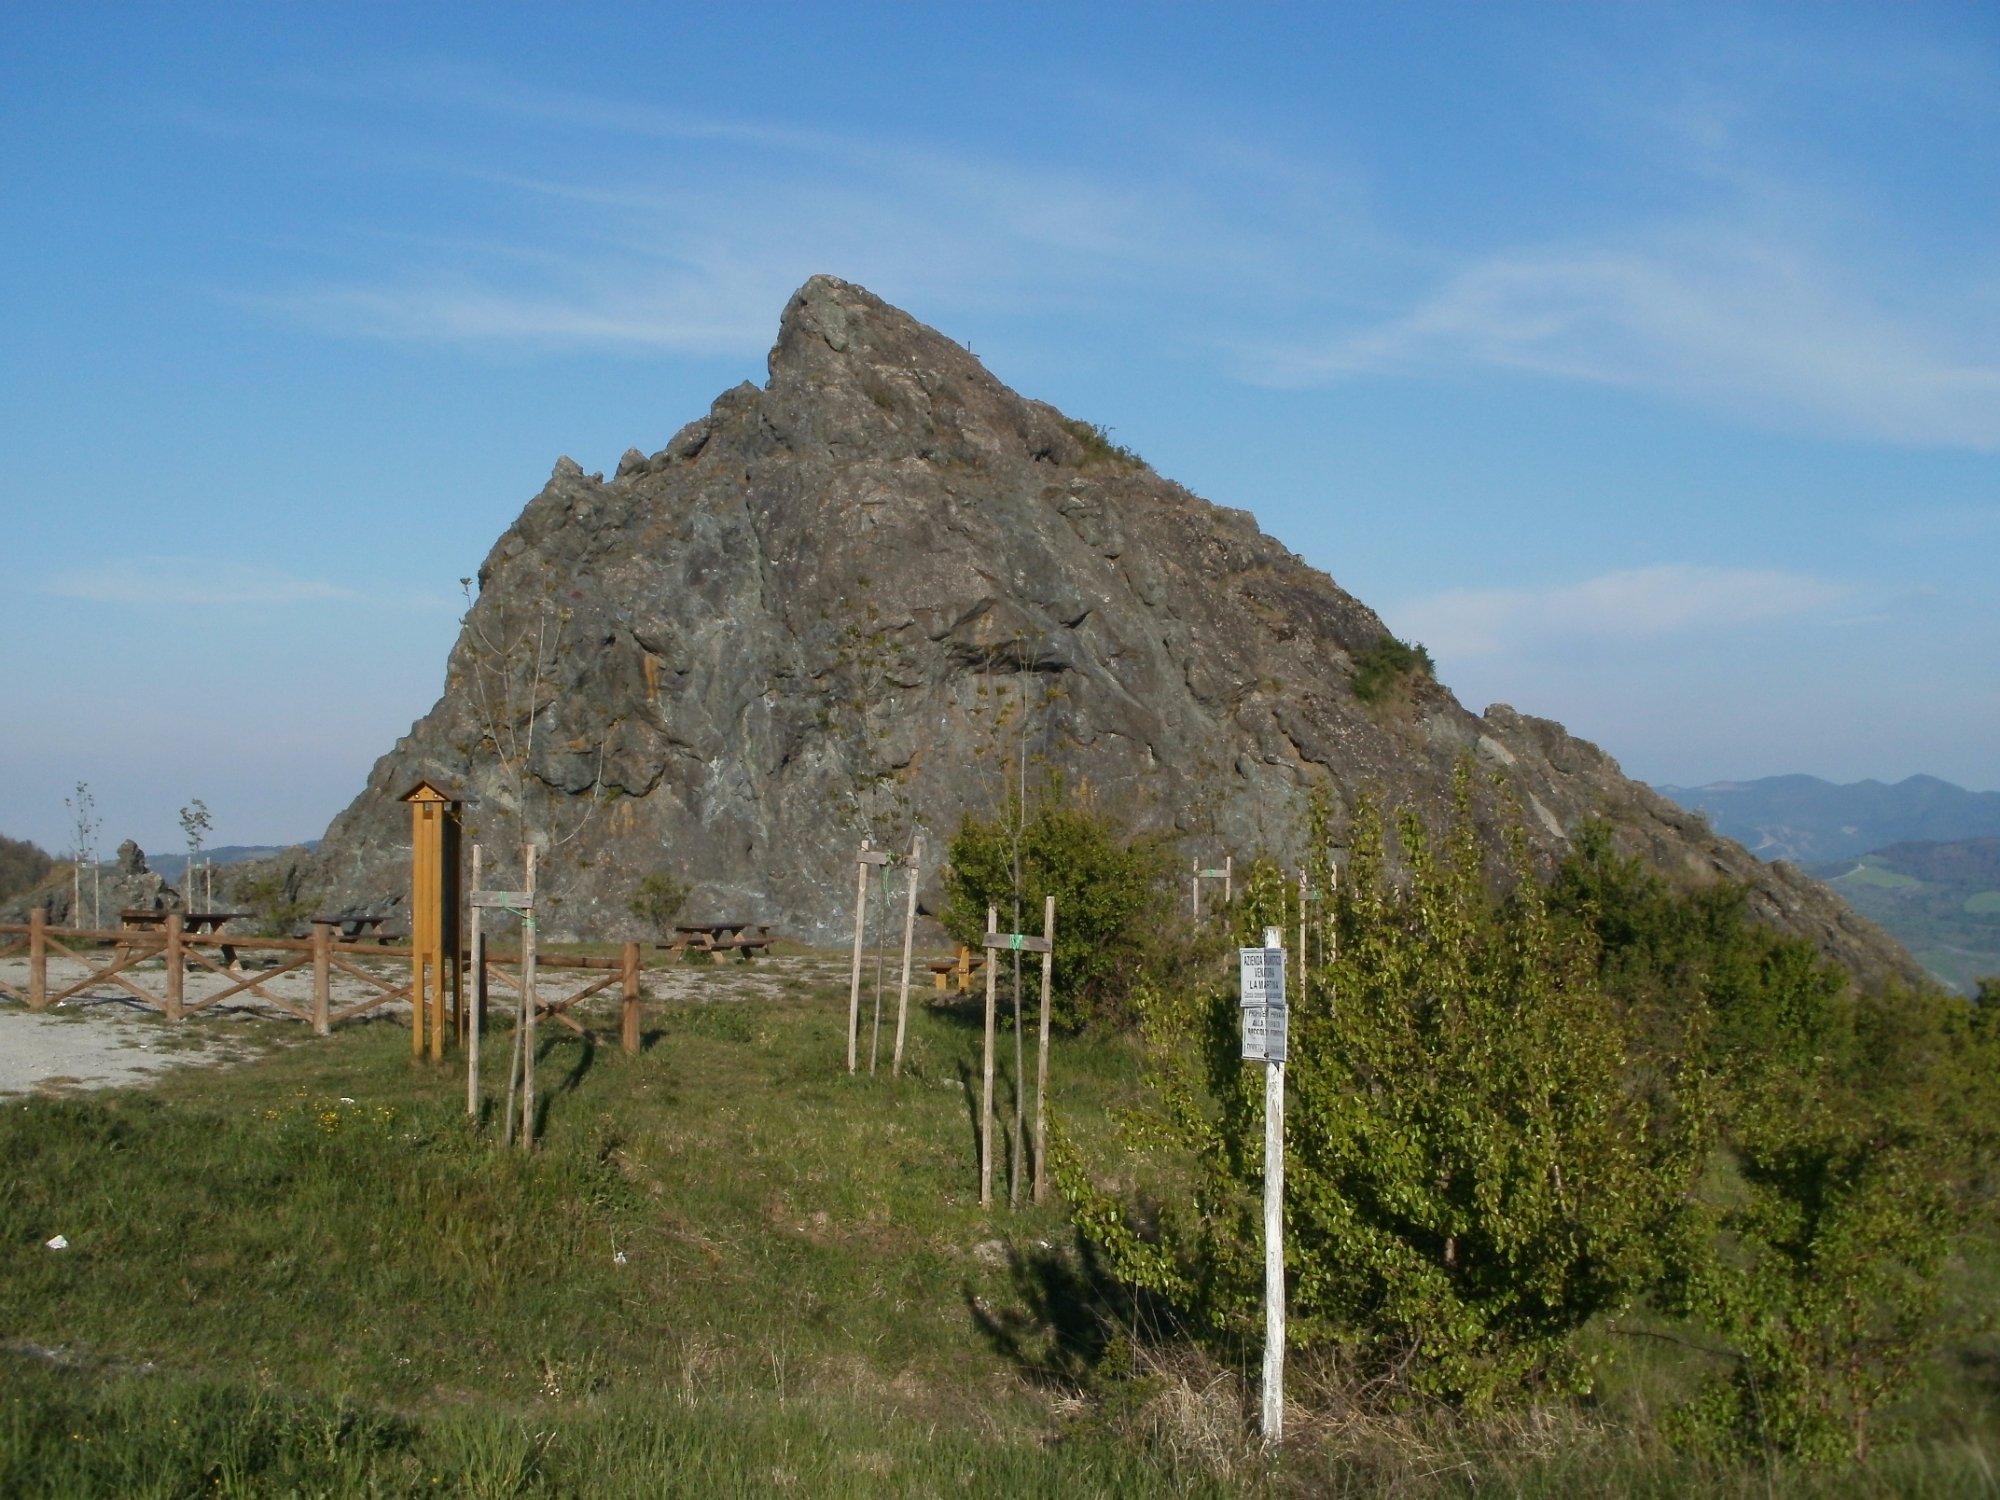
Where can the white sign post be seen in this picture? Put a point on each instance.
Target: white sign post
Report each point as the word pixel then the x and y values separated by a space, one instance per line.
pixel 1265 1030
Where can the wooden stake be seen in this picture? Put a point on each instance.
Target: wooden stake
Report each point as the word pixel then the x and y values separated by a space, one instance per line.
pixel 38 958
pixel 854 977
pixel 1197 890
pixel 175 978
pixel 909 936
pixel 628 1030
pixel 528 1005
pixel 477 1011
pixel 1302 939
pixel 986 1095
pixel 322 965
pixel 1042 1055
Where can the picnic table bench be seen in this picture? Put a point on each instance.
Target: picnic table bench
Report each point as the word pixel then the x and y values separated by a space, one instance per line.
pixel 955 973
pixel 152 919
pixel 353 929
pixel 745 939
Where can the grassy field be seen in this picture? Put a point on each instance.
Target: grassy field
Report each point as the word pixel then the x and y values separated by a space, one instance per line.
pixel 729 1269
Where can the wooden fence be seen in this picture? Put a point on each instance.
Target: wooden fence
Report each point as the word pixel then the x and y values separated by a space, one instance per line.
pixel 326 955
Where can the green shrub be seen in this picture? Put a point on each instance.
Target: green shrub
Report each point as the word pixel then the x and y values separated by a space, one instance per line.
pixel 1111 891
pixel 657 900
pixel 1385 670
pixel 1468 1180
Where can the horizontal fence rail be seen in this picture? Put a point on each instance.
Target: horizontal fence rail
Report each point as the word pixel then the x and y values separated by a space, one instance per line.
pixel 324 955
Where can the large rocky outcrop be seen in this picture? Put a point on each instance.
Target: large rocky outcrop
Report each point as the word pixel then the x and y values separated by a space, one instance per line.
pixel 843 605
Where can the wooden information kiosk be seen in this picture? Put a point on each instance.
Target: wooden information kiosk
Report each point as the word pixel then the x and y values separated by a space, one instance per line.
pixel 434 897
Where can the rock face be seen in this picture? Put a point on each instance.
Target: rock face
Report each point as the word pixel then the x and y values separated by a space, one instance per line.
pixel 125 885
pixel 858 601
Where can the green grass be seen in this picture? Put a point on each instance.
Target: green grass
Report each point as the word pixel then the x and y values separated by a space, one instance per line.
pixel 725 1247
pixel 729 1269
pixel 1983 904
pixel 1878 877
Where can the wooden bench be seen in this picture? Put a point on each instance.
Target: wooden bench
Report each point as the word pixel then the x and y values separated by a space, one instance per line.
pixel 945 970
pixel 717 938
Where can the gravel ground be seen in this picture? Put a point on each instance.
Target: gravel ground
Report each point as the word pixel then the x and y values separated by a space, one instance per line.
pixel 103 1044
pixel 103 1038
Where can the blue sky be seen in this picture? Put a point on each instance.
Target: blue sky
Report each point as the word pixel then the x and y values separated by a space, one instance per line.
pixel 1643 361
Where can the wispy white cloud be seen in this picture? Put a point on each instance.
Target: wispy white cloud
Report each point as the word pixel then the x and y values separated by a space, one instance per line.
pixel 1640 603
pixel 1726 319
pixel 605 246
pixel 189 580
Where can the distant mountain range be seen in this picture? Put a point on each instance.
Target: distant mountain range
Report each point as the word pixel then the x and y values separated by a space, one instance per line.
pixel 1810 821
pixel 1920 858
pixel 172 866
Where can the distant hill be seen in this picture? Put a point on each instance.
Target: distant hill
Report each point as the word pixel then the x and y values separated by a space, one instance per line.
pixel 1810 821
pixel 1941 899
pixel 172 866
pixel 23 865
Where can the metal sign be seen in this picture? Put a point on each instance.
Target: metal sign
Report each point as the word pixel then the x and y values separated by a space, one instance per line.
pixel 1266 1029
pixel 1261 991
pixel 518 900
pixel 1261 975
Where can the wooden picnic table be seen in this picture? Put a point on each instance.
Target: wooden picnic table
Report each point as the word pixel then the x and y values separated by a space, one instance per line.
pixel 352 929
pixel 956 973
pixel 152 919
pixel 146 919
pixel 717 938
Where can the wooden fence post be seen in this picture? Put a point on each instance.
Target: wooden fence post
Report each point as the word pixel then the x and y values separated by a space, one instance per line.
pixel 986 1094
pixel 322 952
pixel 175 978
pixel 38 958
pixel 1042 1056
pixel 909 936
pixel 628 1031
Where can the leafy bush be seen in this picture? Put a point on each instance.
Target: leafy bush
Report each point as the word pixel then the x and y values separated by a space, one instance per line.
pixel 657 900
pixel 1849 1133
pixel 1095 440
pixel 1384 671
pixel 275 900
pixel 1111 893
pixel 1468 1180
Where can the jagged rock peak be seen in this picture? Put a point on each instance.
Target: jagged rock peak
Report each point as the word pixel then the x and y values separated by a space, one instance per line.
pixel 839 605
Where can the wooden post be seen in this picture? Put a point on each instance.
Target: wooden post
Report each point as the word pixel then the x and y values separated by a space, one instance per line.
pixel 1197 890
pixel 527 1026
pixel 909 937
pixel 854 977
pixel 1042 1056
pixel 628 1030
pixel 38 958
pixel 986 1094
pixel 1228 878
pixel 175 978
pixel 322 953
pixel 476 1012
pixel 1302 939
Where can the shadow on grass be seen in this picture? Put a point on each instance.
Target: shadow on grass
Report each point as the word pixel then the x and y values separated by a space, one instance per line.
pixel 1070 1322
